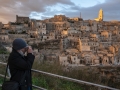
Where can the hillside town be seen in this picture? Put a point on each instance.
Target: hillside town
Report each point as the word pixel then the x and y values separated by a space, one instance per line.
pixel 69 41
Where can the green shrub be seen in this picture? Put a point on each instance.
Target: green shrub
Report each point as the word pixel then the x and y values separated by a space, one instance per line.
pixel 3 51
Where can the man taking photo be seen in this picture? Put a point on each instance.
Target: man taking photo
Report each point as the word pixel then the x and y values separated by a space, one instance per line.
pixel 19 64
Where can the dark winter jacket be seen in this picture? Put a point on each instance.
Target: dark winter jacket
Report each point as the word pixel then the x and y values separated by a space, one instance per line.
pixel 18 64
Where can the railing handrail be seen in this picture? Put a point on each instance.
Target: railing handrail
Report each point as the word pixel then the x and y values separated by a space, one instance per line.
pixel 71 79
pixel 9 78
pixel 3 63
pixel 75 80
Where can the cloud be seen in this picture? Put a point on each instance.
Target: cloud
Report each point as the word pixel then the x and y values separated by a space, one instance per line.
pixel 110 8
pixel 48 8
pixel 10 8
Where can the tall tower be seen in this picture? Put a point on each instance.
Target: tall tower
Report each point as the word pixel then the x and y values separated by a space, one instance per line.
pixel 100 16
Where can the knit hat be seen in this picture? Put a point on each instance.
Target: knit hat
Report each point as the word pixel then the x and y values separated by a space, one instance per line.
pixel 19 43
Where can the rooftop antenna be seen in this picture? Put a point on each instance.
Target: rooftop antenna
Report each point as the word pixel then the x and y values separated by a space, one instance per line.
pixel 80 14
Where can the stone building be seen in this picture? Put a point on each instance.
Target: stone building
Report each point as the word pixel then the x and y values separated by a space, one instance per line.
pixel 85 28
pixel 33 24
pixel 13 36
pixel 59 18
pixel 63 60
pixel 6 26
pixel 63 44
pixel 105 61
pixel 72 30
pixel 76 19
pixel 4 37
pixel 34 33
pixel 41 26
pixel 21 19
pixel 64 32
pixel 17 28
pixel 83 45
pixel 94 26
pixel 75 60
pixel 56 25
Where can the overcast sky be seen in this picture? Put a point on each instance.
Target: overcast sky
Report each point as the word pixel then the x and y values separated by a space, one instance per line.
pixel 41 9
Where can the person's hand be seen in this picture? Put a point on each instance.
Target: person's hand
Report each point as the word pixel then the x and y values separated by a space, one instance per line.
pixel 29 50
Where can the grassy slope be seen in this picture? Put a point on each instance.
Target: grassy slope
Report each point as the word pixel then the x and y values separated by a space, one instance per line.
pixel 52 83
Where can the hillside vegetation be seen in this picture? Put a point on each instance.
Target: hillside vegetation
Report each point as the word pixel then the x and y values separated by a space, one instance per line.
pixel 90 74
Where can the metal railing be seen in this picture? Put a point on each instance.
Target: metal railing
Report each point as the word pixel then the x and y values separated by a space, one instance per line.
pixel 37 87
pixel 69 79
